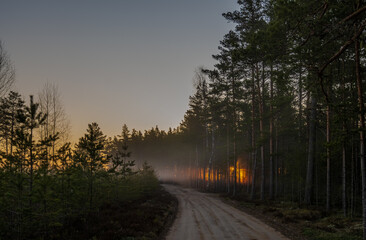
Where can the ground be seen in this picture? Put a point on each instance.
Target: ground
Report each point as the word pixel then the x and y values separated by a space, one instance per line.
pixel 301 223
pixel 205 216
pixel 212 216
pixel 146 218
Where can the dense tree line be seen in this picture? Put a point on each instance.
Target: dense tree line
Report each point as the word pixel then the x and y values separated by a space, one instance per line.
pixel 279 117
pixel 47 186
pixel 284 103
pixel 281 114
pixel 286 94
pixel 50 189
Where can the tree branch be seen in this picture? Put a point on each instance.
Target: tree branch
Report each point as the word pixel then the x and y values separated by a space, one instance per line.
pixel 343 47
pixel 354 14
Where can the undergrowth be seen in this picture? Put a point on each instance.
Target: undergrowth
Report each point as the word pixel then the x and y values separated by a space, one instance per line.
pixel 312 223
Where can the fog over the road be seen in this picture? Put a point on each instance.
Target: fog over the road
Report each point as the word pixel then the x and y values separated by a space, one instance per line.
pixel 204 216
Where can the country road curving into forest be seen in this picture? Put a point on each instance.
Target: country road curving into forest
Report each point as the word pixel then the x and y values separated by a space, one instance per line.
pixel 205 216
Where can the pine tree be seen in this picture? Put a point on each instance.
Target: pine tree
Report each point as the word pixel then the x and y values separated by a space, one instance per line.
pixel 90 154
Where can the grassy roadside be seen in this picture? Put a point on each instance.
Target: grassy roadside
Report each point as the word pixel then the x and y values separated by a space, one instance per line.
pixel 144 218
pixel 301 223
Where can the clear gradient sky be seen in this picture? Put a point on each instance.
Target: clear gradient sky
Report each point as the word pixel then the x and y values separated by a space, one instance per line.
pixel 115 62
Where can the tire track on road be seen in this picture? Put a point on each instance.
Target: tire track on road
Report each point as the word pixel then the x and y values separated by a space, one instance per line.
pixel 204 216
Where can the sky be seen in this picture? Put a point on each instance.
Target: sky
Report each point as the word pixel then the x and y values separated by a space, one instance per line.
pixel 114 62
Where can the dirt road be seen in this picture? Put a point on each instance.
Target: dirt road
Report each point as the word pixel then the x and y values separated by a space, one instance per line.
pixel 205 216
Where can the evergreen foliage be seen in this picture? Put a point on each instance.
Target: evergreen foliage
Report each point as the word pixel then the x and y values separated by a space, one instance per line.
pixel 48 196
pixel 279 117
pixel 281 114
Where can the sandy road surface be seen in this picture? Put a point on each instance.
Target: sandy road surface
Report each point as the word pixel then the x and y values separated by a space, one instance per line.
pixel 204 216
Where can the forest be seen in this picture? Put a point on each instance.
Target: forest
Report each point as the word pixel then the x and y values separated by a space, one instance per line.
pixel 280 116
pixel 51 190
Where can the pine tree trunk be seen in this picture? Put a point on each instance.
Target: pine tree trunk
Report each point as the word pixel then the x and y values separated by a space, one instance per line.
pixel 197 168
pixel 328 117
pixel 252 193
pixel 254 155
pixel 31 159
pixel 261 103
pixel 207 160
pixel 234 136
pixel 12 134
pixel 91 191
pixel 344 173
pixel 300 128
pixel 328 160
pixel 209 168
pixel 361 131
pixel 6 145
pixel 271 196
pixel 235 167
pixel 227 160
pixel 311 152
pixel 249 163
pixel 204 177
pixel 210 165
pixel 300 106
pixel 276 163
pixel 54 130
pixel 344 196
pixel 352 177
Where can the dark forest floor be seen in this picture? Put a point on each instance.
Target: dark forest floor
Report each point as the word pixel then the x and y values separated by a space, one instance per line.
pixel 146 218
pixel 301 223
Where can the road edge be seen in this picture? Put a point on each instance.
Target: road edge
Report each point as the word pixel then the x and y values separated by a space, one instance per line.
pixel 288 231
pixel 173 209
